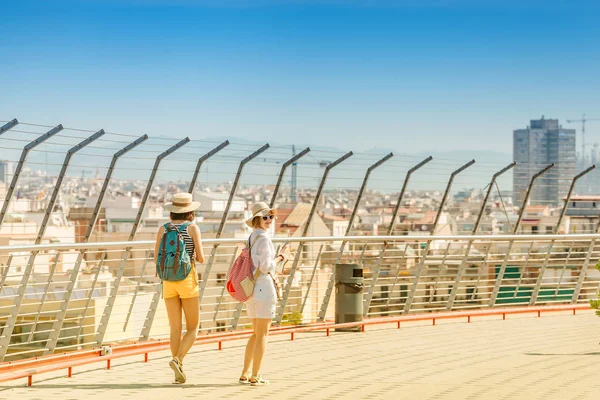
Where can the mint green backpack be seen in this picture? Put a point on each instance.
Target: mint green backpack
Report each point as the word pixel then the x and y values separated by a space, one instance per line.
pixel 173 262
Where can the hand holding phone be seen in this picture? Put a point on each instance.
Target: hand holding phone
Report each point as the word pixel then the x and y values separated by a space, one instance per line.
pixel 282 251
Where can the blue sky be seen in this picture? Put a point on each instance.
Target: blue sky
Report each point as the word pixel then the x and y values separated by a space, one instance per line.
pixel 408 75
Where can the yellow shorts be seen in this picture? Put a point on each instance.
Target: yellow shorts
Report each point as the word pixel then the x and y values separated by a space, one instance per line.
pixel 185 289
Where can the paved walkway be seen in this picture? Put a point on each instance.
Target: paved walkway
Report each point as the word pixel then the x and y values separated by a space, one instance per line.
pixel 525 357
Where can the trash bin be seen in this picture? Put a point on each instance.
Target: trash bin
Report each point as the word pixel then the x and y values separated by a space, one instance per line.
pixel 349 286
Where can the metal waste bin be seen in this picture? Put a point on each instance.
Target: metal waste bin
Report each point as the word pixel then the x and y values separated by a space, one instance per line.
pixel 349 286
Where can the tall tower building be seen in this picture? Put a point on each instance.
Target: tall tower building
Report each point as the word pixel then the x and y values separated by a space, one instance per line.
pixel 542 143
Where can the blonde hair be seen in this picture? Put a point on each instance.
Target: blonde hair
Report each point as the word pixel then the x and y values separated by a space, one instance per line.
pixel 256 222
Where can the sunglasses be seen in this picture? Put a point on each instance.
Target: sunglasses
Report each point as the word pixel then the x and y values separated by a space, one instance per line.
pixel 268 217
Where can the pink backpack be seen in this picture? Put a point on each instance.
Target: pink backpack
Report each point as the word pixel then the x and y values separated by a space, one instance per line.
pixel 241 281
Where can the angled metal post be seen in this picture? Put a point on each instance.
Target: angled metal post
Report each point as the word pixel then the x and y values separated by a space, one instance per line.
pixel 502 271
pixel 562 272
pixel 312 277
pixel 10 323
pixel 538 283
pixel 282 172
pixel 223 288
pixel 238 310
pixel 390 230
pixel 60 315
pixel 359 198
pixel 290 279
pixel 89 298
pixel 110 302
pixel 155 298
pixel 213 253
pixel 15 178
pixel 403 191
pixel 420 267
pixel 137 290
pixel 5 272
pixel 154 303
pixel 8 126
pixel 44 296
pixel 201 161
pixel 377 270
pixel 585 267
pixel 461 268
pixel 331 282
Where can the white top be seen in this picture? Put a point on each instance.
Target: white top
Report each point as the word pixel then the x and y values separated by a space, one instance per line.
pixel 263 258
pixel 262 252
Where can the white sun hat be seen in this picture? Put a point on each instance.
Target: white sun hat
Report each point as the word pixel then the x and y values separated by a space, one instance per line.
pixel 260 209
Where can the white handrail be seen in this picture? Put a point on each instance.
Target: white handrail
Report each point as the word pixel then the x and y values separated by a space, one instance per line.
pixel 331 239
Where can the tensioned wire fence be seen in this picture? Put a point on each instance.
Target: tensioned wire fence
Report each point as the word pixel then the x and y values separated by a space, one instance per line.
pixel 62 294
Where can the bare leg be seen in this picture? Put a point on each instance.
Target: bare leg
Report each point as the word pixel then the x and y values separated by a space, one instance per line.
pixel 261 331
pixel 190 309
pixel 173 305
pixel 249 355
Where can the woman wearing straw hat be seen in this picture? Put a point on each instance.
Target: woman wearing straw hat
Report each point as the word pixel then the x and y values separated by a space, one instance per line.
pixel 261 305
pixel 183 294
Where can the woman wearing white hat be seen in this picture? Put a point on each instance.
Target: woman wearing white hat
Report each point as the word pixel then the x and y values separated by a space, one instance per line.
pixel 261 305
pixel 183 294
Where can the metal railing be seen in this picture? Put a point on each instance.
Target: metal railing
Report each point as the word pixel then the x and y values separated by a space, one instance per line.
pixel 468 268
pixel 67 296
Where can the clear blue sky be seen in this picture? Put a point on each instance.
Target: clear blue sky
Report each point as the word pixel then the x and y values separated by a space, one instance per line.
pixel 408 75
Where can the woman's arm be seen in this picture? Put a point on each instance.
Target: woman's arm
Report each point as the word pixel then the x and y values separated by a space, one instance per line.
pixel 194 232
pixel 159 236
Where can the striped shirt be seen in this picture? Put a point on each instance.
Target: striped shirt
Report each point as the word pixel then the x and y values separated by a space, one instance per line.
pixel 189 242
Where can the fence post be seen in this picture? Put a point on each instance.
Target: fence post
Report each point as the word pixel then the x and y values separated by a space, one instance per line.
pixel 24 154
pixel 10 323
pixel 58 323
pixel 461 269
pixel 201 161
pixel 8 126
pixel 236 182
pixel 288 286
pixel 540 278
pixel 390 230
pixel 500 276
pixel 238 310
pixel 110 302
pixel 420 267
pixel 331 283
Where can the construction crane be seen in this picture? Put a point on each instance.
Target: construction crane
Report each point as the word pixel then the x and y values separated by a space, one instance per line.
pixel 583 120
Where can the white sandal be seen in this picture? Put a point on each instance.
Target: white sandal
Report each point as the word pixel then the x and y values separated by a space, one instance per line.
pixel 258 381
pixel 177 368
pixel 244 379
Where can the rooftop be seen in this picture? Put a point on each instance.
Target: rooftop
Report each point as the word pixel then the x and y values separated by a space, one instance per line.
pixel 524 357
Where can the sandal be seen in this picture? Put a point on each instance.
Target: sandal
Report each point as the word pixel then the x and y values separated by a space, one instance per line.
pixel 258 380
pixel 244 379
pixel 177 367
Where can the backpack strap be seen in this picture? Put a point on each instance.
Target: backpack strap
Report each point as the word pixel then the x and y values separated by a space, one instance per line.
pixel 257 273
pixel 164 247
pixel 176 259
pixel 182 226
pixel 250 244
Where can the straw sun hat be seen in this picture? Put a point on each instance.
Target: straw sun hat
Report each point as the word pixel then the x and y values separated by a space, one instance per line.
pixel 260 209
pixel 182 203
